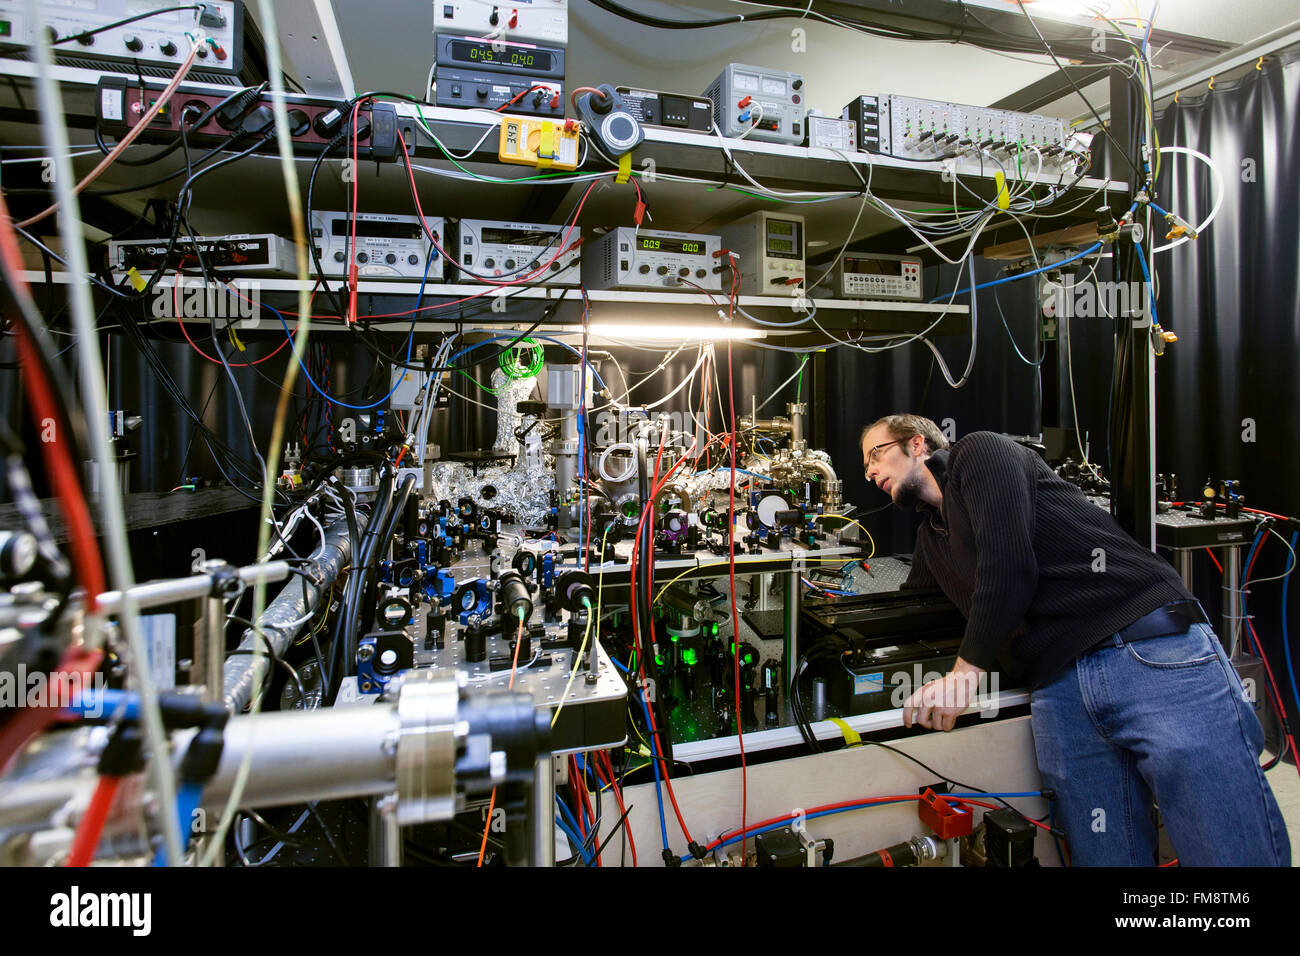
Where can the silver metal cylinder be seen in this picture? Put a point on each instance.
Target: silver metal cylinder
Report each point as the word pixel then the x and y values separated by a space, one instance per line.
pixel 927 848
pixel 156 593
pixel 426 747
pixel 209 656
pixel 300 756
pixel 362 481
pixel 385 832
pixel 797 411
pixel 566 450
pixel 1231 631
pixel 1183 565
pixel 542 818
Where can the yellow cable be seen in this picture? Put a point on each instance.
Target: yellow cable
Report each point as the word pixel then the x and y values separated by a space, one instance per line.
pixel 600 585
pixel 577 661
pixel 635 727
pixel 864 531
pixel 714 564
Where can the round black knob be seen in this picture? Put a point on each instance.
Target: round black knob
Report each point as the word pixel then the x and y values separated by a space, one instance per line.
pixel 601 102
pixel 534 264
pixel 489 263
pixel 510 263
pixel 797 84
pixel 481 92
pixel 134 44
pixel 85 39
pixel 167 48
pixel 644 268
pixel 362 257
pixel 413 259
pixel 663 270
pixel 338 256
pixel 683 272
pixel 555 267
pixel 700 273
pixel 391 258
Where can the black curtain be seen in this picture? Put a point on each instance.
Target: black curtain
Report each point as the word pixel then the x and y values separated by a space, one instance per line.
pixel 1233 299
pixel 1002 393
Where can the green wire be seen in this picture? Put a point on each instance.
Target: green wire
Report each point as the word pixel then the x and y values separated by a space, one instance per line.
pixel 514 369
pixel 486 388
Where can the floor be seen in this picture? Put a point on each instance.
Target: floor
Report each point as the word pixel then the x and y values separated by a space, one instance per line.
pixel 1286 788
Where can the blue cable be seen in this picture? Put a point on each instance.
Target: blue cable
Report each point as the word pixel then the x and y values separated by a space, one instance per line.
pixel 574 840
pixel 654 752
pixel 97 703
pixel 1032 272
pixel 1146 274
pixel 571 830
pixel 189 796
pixel 1157 208
pixel 410 340
pixel 1286 638
pixel 1286 583
pixel 857 806
pixel 753 832
pixel 1024 275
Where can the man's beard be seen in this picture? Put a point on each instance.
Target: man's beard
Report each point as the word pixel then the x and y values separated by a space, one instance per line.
pixel 907 493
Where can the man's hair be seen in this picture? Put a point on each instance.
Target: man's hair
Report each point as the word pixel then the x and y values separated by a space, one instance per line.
pixel 903 427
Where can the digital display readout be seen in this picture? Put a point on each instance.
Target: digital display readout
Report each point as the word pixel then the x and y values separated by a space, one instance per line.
pixel 523 59
pixel 873 267
pixel 370 229
pixel 518 237
pixel 784 239
pixel 685 246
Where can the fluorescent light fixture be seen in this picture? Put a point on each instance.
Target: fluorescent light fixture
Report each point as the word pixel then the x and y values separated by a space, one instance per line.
pixel 675 333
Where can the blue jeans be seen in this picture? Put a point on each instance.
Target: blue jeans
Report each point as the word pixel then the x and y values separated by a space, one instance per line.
pixel 1164 718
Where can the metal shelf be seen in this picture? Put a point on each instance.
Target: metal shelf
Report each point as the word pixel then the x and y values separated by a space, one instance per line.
pixel 863 315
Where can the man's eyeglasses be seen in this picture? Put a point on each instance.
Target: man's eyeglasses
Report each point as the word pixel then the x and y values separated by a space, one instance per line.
pixel 874 454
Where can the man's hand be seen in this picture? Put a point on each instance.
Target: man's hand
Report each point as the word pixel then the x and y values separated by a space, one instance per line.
pixel 938 704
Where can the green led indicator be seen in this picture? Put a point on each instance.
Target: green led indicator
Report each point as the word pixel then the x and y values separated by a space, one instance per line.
pixel 6 28
pixel 674 637
pixel 713 629
pixel 688 657
pixel 659 660
pixel 749 658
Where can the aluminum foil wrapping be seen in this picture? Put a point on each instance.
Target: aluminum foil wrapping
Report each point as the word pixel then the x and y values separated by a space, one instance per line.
pixel 523 489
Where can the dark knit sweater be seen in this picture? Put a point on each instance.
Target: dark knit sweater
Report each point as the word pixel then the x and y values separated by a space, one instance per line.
pixel 1015 547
